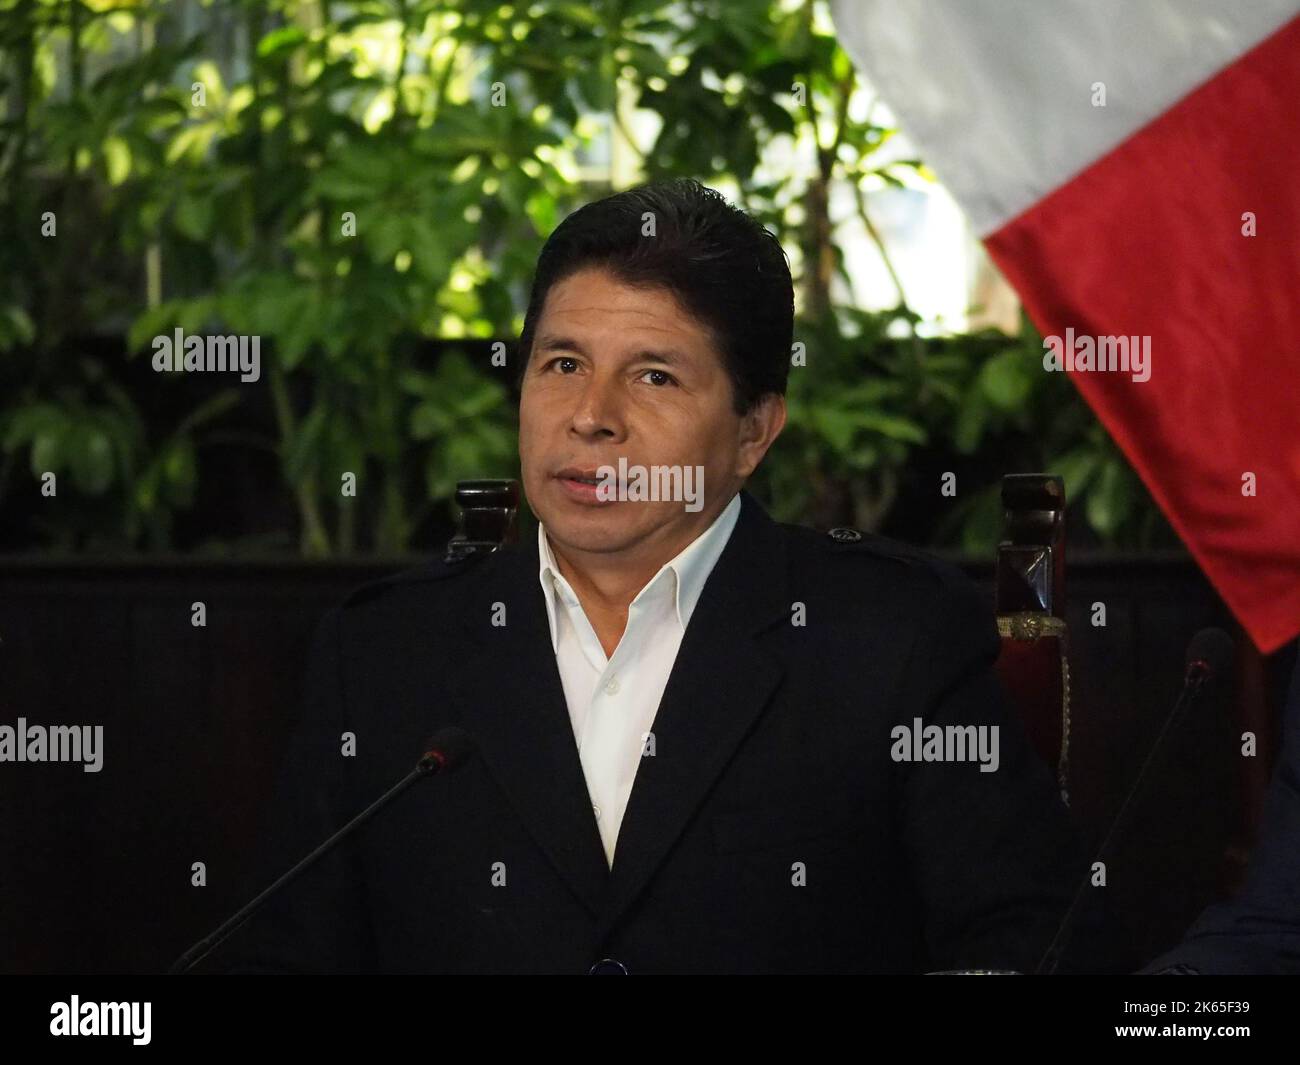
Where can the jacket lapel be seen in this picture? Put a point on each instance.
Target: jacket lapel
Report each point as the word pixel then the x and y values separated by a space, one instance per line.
pixel 508 684
pixel 720 683
pixel 512 700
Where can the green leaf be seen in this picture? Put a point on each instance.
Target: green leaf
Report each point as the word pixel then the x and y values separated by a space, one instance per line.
pixel 1111 500
pixel 982 528
pixel 1077 468
pixel 156 321
pixel 180 472
pixel 1005 381
pixel 542 211
pixel 302 453
pixel 892 426
pixel 972 420
pixel 838 427
pixel 146 487
pixel 30 422
pixel 192 141
pixel 194 216
pixel 47 450
pixel 429 420
pixel 16 327
pixel 281 41
pixel 92 461
pixel 486 396
pixel 419 383
pixel 117 160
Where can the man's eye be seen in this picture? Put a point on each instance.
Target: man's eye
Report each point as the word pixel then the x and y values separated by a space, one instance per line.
pixel 666 376
pixel 562 358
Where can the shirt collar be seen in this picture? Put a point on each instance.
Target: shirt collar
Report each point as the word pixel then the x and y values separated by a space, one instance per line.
pixel 690 569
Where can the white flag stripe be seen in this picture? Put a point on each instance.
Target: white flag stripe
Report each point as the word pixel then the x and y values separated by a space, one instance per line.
pixel 997 94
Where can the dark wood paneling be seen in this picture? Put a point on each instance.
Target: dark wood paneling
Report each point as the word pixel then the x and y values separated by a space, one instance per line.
pixel 95 876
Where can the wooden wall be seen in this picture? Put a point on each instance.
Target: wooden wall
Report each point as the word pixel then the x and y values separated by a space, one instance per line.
pixel 95 868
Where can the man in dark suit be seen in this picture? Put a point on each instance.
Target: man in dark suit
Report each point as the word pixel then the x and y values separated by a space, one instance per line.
pixel 706 741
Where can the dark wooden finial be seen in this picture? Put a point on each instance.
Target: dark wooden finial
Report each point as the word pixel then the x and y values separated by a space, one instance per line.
pixel 487 518
pixel 1031 557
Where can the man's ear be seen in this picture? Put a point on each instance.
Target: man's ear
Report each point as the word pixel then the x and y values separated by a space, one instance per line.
pixel 758 429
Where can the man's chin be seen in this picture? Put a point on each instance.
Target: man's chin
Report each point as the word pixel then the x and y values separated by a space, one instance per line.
pixel 598 532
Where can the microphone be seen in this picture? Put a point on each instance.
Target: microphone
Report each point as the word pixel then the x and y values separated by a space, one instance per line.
pixel 1209 657
pixel 447 751
pixel 1208 662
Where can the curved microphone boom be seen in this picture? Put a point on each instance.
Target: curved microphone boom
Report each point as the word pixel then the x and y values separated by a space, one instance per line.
pixel 1208 662
pixel 447 751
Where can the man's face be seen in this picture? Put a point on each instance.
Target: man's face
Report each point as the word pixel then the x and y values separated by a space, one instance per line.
pixel 623 372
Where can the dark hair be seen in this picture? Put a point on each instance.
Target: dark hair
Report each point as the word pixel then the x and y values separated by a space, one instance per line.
pixel 725 268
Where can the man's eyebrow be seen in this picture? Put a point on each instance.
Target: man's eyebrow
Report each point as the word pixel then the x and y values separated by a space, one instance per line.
pixel 666 356
pixel 546 342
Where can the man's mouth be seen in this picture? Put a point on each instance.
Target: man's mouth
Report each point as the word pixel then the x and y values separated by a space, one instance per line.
pixel 583 486
pixel 581 476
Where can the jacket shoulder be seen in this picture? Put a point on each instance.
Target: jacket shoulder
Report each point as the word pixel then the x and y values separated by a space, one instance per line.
pixel 446 569
pixel 868 579
pixel 845 551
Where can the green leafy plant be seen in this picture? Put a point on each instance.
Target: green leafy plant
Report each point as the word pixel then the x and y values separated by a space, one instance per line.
pixel 357 178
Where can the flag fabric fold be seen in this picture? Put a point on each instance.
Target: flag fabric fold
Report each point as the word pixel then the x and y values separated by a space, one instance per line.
pixel 1132 169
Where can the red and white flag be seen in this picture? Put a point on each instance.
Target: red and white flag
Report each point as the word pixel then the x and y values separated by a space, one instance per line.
pixel 1134 170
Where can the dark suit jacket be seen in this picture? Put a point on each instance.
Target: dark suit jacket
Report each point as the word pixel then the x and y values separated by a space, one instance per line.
pixel 1258 931
pixel 772 748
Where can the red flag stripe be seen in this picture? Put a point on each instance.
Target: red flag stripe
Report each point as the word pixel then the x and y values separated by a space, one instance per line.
pixel 1148 241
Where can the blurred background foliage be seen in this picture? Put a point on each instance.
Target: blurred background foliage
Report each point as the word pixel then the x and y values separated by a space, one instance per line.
pixel 355 182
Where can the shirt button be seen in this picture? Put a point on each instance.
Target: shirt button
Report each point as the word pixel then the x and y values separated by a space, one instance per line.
pixel 612 687
pixel 595 809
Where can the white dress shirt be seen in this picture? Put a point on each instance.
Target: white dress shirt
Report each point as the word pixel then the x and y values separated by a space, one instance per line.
pixel 613 700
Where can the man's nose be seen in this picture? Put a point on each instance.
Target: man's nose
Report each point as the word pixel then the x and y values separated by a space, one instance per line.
pixel 599 408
